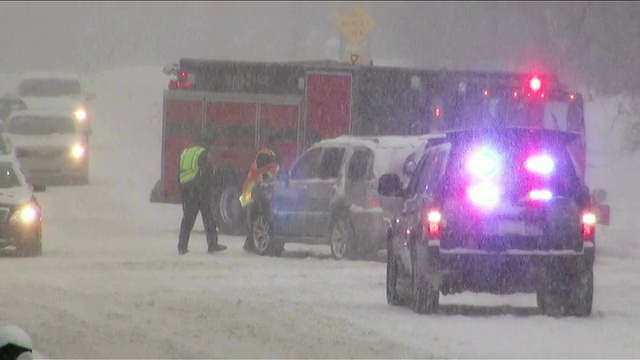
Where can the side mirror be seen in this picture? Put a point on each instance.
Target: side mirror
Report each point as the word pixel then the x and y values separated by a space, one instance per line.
pixel 390 185
pixel 409 167
pixel 39 188
pixel 599 195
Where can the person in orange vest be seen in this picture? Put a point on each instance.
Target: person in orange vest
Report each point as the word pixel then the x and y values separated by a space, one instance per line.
pixel 264 167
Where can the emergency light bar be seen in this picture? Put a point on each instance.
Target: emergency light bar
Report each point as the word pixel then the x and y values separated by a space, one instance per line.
pixel 181 83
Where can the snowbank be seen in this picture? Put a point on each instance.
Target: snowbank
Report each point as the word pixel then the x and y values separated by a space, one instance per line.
pixel 611 168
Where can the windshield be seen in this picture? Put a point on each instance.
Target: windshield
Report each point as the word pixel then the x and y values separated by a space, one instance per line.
pixel 8 176
pixel 49 88
pixel 41 125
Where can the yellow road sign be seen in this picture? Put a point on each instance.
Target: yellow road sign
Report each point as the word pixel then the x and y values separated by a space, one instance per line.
pixel 356 24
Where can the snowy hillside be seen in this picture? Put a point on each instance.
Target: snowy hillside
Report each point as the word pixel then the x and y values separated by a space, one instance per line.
pixel 617 171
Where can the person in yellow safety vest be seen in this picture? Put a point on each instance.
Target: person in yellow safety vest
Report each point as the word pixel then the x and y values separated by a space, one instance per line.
pixel 196 180
pixel 264 167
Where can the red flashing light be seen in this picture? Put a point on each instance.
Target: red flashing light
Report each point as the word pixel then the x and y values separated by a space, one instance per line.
pixel 183 75
pixel 515 94
pixel 535 84
pixel 572 97
pixel 437 112
pixel 486 92
pixel 373 203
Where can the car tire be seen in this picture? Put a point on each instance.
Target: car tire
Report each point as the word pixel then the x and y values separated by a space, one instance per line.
pixel 342 238
pixel 262 237
pixel 228 211
pixel 426 297
pixel 30 248
pixel 559 297
pixel 580 295
pixel 393 298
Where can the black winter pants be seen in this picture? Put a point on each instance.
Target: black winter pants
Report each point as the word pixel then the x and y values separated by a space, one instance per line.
pixel 196 201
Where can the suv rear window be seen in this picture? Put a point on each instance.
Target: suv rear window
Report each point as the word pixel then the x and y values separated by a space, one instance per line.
pixel 511 152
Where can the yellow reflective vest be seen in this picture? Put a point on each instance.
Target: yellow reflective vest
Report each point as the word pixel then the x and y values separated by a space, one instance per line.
pixel 189 168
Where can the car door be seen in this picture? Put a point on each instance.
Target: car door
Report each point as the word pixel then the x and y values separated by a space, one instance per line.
pixel 358 174
pixel 409 227
pixel 289 202
pixel 322 191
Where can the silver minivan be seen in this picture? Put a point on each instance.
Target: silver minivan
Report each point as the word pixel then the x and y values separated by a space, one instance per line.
pixel 329 196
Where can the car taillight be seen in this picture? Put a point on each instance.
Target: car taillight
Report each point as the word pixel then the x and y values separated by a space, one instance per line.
pixel 373 203
pixel 588 223
pixel 433 224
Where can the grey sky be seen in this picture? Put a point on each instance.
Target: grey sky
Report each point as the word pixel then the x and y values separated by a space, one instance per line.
pixel 91 36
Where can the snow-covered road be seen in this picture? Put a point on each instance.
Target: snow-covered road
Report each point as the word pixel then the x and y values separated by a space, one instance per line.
pixel 111 285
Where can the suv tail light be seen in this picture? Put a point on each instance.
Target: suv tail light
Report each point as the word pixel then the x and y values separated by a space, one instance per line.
pixel 588 223
pixel 433 223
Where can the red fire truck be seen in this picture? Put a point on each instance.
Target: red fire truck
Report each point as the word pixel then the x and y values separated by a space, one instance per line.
pixel 290 106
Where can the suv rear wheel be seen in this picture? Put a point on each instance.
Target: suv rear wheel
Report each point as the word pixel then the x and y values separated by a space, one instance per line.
pixel 570 296
pixel 426 297
pixel 342 238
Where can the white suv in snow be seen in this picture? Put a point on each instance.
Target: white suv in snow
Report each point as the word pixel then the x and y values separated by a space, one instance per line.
pixel 57 91
pixel 49 145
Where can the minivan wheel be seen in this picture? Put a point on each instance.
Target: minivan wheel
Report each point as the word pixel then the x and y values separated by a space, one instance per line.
pixel 262 236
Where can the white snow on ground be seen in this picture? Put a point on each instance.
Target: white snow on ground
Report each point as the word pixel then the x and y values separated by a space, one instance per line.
pixel 111 285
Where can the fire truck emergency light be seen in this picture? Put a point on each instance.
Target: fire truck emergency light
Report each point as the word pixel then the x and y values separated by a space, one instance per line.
pixel 535 84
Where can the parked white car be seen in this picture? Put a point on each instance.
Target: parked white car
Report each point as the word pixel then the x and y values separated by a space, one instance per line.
pixel 49 145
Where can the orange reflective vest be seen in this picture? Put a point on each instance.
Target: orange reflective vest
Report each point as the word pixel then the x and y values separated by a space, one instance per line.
pixel 254 177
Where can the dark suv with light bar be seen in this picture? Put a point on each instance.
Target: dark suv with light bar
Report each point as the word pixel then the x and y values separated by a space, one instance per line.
pixel 493 210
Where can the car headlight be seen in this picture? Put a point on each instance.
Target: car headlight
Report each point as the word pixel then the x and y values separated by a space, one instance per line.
pixel 27 214
pixel 80 114
pixel 78 151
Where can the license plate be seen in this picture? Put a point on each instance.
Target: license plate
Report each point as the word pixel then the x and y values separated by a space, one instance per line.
pixel 512 227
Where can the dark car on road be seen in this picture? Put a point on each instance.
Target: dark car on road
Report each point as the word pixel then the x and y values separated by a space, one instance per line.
pixel 497 210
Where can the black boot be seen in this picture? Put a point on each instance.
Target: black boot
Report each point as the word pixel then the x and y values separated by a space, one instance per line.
pixel 216 248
